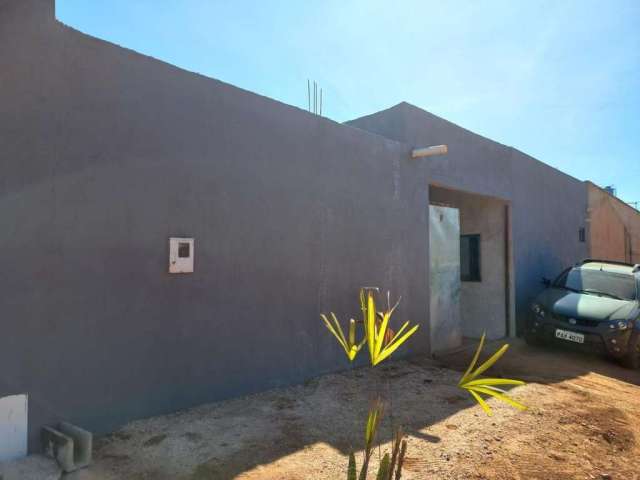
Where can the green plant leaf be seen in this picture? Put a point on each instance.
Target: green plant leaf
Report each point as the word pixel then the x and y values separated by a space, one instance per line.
pixel 398 435
pixel 363 305
pixel 372 426
pixel 486 365
pixel 338 328
pixel 499 395
pixel 352 331
pixel 371 324
pixel 474 361
pixel 350 347
pixel 493 381
pixel 334 332
pixel 392 347
pixel 376 332
pixel 383 470
pixel 381 333
pixel 398 333
pixel 373 421
pixel 482 403
pixel 403 451
pixel 351 469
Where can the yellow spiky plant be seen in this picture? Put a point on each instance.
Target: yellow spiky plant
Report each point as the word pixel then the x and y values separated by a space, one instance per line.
pixel 378 336
pixel 382 342
pixel 487 386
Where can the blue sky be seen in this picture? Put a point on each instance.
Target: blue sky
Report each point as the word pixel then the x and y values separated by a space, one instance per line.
pixel 559 80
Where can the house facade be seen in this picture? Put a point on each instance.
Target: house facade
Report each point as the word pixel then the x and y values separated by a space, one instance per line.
pixel 529 216
pixel 106 154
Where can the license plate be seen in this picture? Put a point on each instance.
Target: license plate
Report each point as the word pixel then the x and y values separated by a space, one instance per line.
pixel 571 336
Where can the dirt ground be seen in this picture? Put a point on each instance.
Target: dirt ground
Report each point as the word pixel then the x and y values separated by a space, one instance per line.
pixel 583 422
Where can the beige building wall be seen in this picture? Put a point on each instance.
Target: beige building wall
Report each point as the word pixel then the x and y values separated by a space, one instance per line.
pixel 614 227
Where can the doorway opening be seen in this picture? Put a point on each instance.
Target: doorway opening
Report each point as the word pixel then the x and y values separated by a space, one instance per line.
pixel 480 300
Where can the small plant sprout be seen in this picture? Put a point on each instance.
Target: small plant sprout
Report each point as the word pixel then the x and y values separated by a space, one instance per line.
pixel 380 338
pixel 398 452
pixel 388 463
pixel 487 386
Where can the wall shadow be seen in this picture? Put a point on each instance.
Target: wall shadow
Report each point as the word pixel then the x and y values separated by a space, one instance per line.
pixel 242 434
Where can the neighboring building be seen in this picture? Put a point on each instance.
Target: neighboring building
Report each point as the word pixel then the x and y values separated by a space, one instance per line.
pixel 106 154
pixel 613 227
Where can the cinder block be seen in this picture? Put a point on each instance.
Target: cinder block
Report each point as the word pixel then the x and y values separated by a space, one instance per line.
pixel 69 445
pixel 82 441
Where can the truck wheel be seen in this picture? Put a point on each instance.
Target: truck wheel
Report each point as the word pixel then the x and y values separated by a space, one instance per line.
pixel 632 358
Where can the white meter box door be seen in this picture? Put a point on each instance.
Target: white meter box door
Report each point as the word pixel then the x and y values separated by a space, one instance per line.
pixel 181 255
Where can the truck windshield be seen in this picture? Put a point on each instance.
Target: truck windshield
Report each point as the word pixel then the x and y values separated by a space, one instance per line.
pixel 599 282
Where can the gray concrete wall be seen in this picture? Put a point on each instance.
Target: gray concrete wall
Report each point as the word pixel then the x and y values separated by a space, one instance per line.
pixel 482 304
pixel 548 206
pixel 105 154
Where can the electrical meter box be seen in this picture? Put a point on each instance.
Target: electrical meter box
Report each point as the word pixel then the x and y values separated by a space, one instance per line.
pixel 181 255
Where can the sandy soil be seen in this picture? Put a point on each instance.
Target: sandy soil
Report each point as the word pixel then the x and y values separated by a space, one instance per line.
pixel 583 423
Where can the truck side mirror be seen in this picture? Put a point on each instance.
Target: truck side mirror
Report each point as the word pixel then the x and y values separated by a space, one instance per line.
pixel 546 282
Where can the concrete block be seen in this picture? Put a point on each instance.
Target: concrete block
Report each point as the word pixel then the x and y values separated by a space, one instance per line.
pixel 83 443
pixel 69 445
pixel 59 447
pixel 33 467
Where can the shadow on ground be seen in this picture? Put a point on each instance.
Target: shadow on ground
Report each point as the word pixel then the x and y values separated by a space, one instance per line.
pixel 306 431
pixel 543 364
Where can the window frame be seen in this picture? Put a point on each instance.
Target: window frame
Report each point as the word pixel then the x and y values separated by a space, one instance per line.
pixel 472 278
pixel 582 235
